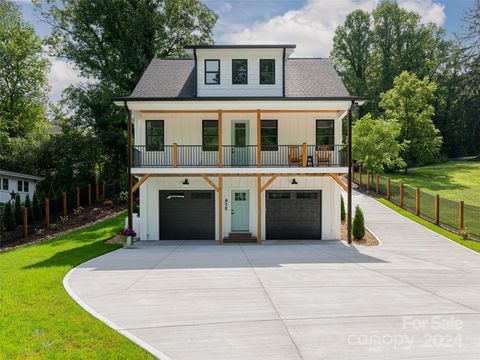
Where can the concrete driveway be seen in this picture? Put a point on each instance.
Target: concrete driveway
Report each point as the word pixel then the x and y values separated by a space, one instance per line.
pixel 417 296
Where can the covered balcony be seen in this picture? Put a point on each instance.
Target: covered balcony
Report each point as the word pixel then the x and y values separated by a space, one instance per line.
pixel 233 156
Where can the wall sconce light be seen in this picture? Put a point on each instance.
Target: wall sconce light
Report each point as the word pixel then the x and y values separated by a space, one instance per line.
pixel 226 204
pixel 294 182
pixel 185 182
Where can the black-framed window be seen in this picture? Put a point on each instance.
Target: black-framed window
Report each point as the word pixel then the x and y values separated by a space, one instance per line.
pixel 19 185
pixel 212 71
pixel 5 184
pixel 155 135
pixel 210 135
pixel 267 71
pixel 325 132
pixel 239 71
pixel 269 135
pixel 25 186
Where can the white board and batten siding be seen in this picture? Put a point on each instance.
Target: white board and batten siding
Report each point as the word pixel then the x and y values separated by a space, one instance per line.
pixel 149 200
pixel 253 87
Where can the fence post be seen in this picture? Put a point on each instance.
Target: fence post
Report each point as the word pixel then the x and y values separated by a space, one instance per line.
pixel 64 203
pixel 97 194
pixel 388 188
pixel 89 195
pixel 461 207
pixel 368 180
pixel 401 195
pixel 417 202
pixel 360 175
pixel 25 222
pixel 437 209
pixel 103 189
pixel 47 212
pixel 78 197
pixel 376 183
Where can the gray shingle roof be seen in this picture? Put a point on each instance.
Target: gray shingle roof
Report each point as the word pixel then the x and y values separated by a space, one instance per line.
pixel 167 78
pixel 312 78
pixel 303 78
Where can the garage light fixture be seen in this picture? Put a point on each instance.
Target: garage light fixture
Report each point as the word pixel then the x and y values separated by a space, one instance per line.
pixel 185 182
pixel 294 182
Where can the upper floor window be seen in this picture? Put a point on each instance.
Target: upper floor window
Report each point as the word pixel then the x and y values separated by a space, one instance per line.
pixel 267 71
pixel 210 135
pixel 212 71
pixel 239 71
pixel 5 184
pixel 325 132
pixel 269 135
pixel 155 135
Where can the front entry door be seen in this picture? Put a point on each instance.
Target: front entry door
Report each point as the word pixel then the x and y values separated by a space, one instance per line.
pixel 240 210
pixel 239 142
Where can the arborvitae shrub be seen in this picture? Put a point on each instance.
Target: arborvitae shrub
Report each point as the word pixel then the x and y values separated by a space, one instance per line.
pixel 37 210
pixel 18 209
pixel 28 205
pixel 358 228
pixel 343 214
pixel 8 218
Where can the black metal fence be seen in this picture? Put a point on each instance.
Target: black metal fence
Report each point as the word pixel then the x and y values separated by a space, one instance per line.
pixel 451 215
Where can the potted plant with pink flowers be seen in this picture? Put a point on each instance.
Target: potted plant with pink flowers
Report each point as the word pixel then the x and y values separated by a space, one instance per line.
pixel 129 236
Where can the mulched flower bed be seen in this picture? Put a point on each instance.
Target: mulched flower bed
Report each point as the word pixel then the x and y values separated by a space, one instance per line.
pixel 39 232
pixel 368 239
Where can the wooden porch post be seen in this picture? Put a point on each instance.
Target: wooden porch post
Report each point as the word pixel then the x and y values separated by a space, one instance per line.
pixel 259 208
pixel 220 139
pixel 220 209
pixel 259 139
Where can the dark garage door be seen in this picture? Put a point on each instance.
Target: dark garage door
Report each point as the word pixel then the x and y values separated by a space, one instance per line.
pixel 187 215
pixel 293 214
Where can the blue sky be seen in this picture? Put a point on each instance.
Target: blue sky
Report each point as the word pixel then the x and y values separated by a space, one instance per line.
pixel 307 23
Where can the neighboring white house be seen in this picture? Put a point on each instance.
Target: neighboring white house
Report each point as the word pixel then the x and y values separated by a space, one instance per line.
pixel 22 184
pixel 240 142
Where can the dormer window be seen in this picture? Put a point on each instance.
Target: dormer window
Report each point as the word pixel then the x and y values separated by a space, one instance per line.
pixel 239 71
pixel 267 71
pixel 212 71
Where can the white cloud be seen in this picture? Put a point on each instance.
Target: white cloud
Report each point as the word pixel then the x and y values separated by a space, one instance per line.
pixel 312 26
pixel 61 76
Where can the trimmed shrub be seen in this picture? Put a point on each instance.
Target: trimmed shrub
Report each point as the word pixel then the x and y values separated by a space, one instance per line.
pixel 343 214
pixel 18 209
pixel 358 226
pixel 8 218
pixel 28 205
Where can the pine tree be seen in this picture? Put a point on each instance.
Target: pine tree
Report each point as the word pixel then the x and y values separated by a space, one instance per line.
pixel 18 209
pixel 28 205
pixel 358 228
pixel 343 214
pixel 8 218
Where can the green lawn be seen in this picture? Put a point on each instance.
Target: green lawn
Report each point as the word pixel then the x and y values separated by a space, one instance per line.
pixel 38 318
pixel 455 180
pixel 474 245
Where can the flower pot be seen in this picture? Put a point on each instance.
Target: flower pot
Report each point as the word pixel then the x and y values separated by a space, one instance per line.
pixel 129 241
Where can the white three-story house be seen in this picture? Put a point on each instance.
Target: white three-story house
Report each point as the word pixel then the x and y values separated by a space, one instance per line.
pixel 238 143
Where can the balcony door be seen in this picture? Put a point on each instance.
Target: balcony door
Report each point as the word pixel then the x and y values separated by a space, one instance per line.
pixel 240 143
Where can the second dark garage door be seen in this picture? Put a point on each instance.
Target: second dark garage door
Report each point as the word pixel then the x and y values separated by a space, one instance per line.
pixel 293 214
pixel 187 215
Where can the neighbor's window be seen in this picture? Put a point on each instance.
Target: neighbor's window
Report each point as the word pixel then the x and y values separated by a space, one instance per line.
pixel 210 135
pixel 25 186
pixel 5 184
pixel 269 135
pixel 325 132
pixel 155 135
pixel 212 71
pixel 19 185
pixel 239 71
pixel 267 71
